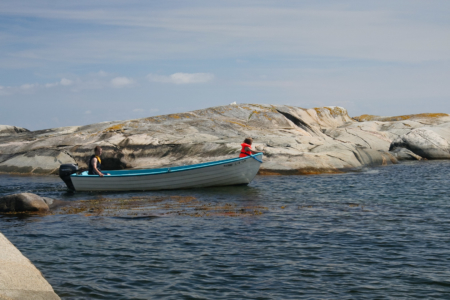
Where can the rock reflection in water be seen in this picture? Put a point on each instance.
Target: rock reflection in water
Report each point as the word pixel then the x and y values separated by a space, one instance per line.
pixel 157 206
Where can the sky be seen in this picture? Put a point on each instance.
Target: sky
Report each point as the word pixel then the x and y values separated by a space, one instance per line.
pixel 65 63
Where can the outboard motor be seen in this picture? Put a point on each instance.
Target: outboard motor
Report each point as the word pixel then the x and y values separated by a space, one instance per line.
pixel 65 171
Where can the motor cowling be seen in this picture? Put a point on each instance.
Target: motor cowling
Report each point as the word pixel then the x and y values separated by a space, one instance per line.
pixel 65 171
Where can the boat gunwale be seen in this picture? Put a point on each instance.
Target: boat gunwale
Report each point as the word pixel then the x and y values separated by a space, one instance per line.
pixel 168 170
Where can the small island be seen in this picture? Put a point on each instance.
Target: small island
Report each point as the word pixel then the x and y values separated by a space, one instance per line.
pixel 294 140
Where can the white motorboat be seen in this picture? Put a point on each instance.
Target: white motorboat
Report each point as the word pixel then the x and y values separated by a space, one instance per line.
pixel 235 171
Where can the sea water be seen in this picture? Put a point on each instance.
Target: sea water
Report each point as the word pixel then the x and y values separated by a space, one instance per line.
pixel 381 233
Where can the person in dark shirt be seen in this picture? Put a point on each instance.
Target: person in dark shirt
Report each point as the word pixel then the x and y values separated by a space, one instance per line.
pixel 95 163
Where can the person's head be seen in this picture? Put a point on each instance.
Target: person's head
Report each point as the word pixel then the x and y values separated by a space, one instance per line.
pixel 248 140
pixel 98 150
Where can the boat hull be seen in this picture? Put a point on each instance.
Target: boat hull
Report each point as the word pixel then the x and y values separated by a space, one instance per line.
pixel 221 173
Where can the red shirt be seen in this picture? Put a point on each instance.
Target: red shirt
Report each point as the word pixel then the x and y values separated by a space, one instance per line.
pixel 245 153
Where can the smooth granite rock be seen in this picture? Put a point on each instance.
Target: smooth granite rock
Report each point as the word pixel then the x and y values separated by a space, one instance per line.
pixel 19 278
pixel 294 140
pixel 23 202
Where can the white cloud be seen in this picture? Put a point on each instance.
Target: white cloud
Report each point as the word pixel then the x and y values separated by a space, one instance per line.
pixel 86 82
pixel 65 81
pixel 120 82
pixel 88 112
pixel 138 110
pixel 182 78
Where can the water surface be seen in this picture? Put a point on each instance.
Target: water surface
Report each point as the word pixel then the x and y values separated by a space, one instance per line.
pixel 382 233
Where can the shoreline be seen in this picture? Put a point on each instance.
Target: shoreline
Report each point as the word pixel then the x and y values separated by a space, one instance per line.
pixel 264 172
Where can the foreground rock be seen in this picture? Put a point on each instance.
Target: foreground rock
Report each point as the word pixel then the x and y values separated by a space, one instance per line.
pixel 24 202
pixel 19 278
pixel 294 140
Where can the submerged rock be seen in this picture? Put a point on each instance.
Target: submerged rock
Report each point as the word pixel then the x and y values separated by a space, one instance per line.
pixel 23 202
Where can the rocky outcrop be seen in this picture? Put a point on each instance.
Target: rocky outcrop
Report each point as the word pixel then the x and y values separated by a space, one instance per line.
pixel 24 202
pixel 19 278
pixel 294 140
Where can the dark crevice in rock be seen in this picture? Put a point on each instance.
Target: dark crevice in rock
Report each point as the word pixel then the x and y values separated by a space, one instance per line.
pixel 113 163
pixel 298 122
pixel 358 157
pixel 316 146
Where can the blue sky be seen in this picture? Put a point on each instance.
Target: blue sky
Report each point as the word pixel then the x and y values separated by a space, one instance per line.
pixel 79 62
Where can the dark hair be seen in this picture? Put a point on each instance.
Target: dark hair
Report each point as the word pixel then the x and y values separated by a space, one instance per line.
pixel 248 140
pixel 97 148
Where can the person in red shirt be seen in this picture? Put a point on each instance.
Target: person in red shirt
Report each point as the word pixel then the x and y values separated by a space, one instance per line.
pixel 246 148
